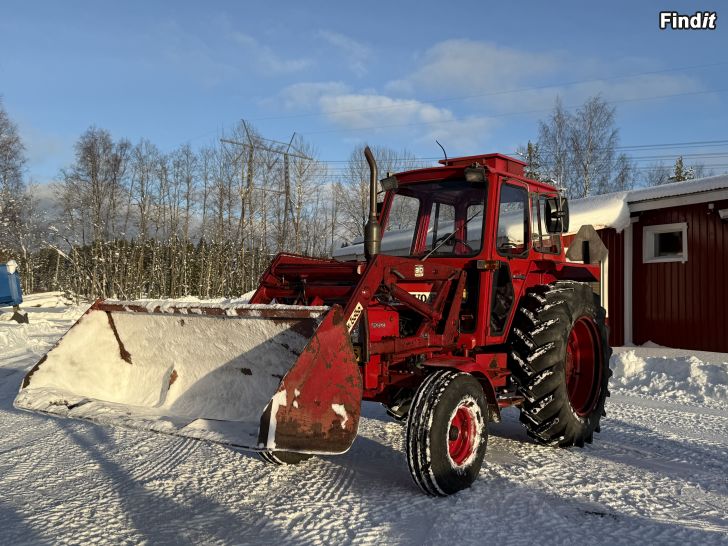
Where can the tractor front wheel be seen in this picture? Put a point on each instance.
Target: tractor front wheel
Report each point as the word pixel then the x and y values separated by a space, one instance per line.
pixel 560 361
pixel 446 432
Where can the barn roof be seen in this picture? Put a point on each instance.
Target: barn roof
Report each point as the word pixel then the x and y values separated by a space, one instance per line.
pixel 612 210
pixel 679 188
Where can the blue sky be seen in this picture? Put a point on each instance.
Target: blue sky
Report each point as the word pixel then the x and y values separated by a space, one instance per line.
pixel 477 77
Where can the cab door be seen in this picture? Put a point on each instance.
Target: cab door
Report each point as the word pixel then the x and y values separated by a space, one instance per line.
pixel 510 257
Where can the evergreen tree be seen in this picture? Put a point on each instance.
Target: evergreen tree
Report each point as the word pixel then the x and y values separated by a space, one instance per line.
pixel 531 154
pixel 680 173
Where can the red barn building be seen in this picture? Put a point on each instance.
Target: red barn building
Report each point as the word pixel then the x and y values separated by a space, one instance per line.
pixel 666 277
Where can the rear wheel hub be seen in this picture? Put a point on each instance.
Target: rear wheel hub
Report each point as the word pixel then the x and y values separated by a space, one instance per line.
pixel 583 352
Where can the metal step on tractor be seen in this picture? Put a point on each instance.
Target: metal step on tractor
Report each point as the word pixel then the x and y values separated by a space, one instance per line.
pixel 458 303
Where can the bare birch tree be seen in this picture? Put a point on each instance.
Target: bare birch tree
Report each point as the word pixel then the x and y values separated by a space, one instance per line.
pixel 352 192
pixel 12 186
pixel 554 142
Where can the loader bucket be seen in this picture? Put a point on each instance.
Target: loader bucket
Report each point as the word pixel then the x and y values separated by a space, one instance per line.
pixel 258 377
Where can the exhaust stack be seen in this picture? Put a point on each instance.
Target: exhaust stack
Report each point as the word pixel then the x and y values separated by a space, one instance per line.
pixel 372 229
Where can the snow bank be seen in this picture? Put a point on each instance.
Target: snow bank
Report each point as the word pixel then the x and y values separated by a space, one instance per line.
pixel 672 374
pixel 12 338
pixel 59 299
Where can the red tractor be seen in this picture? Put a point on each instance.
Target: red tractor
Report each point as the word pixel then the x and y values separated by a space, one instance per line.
pixel 463 303
pixel 464 306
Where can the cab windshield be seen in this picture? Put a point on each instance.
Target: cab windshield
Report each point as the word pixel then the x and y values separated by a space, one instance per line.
pixel 443 218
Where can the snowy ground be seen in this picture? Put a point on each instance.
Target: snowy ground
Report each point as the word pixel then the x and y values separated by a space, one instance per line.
pixel 658 472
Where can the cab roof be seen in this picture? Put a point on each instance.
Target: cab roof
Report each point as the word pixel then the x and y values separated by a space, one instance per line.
pixel 452 168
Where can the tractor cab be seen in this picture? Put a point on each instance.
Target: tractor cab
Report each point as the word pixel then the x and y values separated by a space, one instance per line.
pixel 481 215
pixel 470 208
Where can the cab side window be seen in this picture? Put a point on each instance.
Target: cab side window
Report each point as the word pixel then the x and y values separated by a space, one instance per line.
pixel 513 221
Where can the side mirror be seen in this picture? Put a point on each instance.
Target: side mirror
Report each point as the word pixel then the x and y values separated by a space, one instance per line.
pixel 557 214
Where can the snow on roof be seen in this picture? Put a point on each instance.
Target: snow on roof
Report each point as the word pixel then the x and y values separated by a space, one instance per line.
pixel 601 211
pixel 679 188
pixel 611 210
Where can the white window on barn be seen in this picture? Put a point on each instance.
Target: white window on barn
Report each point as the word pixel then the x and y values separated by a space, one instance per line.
pixel 665 243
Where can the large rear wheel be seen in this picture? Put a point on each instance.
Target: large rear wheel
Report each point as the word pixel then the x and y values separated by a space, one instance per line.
pixel 560 361
pixel 447 432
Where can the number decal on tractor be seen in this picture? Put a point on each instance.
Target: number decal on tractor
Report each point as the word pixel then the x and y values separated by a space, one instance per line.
pixel 354 316
pixel 422 296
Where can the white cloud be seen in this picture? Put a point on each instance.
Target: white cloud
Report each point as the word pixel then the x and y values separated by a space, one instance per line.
pixel 377 113
pixel 265 59
pixel 307 95
pixel 511 80
pixel 352 110
pixel 356 54
pixel 228 55
pixel 476 87
pixel 467 67
pixel 184 51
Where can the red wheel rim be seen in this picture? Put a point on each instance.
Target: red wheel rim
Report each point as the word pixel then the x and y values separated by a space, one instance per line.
pixel 461 435
pixel 583 356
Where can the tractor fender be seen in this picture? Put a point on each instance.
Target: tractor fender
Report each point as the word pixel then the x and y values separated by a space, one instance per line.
pixel 476 369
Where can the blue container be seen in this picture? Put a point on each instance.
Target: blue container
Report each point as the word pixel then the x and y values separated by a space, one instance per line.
pixel 10 292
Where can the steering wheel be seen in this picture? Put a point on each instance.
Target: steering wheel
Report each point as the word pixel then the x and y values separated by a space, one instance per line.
pixel 468 248
pixel 510 247
pixel 442 238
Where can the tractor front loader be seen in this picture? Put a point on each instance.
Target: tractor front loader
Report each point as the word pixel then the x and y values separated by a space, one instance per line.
pixel 458 303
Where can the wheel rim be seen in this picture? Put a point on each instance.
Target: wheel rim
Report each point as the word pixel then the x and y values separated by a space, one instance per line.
pixel 462 434
pixel 583 357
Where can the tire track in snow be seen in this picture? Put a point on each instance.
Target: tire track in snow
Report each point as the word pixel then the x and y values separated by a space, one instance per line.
pixel 321 497
pixel 173 453
pixel 336 484
pixel 615 473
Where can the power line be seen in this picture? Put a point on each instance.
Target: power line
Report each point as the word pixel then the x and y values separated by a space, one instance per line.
pixel 657 158
pixel 655 146
pixel 706 143
pixel 340 172
pixel 688 144
pixel 337 172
